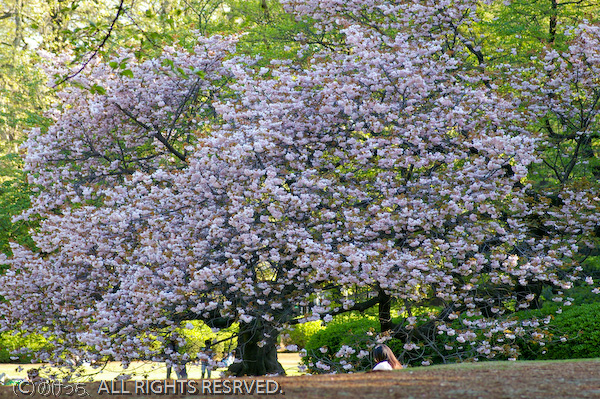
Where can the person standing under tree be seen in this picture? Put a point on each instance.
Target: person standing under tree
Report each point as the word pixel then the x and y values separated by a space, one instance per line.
pixel 207 355
pixel 180 369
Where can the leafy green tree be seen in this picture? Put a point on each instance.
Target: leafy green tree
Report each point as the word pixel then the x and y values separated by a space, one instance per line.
pixel 15 195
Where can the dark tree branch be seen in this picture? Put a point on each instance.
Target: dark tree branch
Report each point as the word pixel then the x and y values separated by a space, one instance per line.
pixel 154 133
pixel 552 26
pixel 190 96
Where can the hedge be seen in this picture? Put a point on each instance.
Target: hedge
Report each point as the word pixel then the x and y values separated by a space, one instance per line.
pixel 576 333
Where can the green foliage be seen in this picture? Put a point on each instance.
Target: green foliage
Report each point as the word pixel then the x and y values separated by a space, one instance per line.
pixel 574 333
pixel 591 266
pixel 528 26
pixel 582 294
pixel 22 99
pixel 12 341
pixel 300 334
pixel 356 333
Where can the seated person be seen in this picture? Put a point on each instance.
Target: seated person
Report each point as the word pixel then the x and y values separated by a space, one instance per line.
pixel 385 359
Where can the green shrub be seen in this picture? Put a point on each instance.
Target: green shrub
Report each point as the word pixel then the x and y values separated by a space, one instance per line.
pixel 572 334
pixel 14 198
pixel 323 350
pixel 361 334
pixel 580 326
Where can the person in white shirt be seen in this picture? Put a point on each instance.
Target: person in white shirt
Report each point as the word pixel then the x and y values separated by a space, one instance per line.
pixel 385 359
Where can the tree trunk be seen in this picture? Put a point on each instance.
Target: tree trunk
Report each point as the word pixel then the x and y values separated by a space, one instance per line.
pixel 553 22
pixel 18 39
pixel 256 360
pixel 265 9
pixel 385 311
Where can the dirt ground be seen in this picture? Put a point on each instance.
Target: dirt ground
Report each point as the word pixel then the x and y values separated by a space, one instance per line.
pixel 510 380
pixel 530 380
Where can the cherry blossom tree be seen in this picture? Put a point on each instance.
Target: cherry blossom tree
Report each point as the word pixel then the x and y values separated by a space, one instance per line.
pixel 195 186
